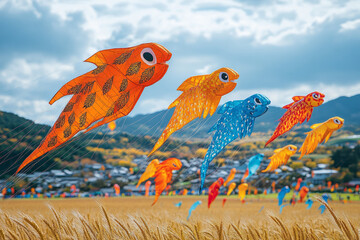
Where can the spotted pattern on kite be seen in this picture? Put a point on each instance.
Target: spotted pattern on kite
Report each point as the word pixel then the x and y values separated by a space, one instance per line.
pixel 123 58
pixel 110 112
pixel 90 99
pixel 297 112
pixel 68 107
pixel 147 75
pixel 60 122
pixel 87 88
pixel 123 85
pixel 237 121
pixel 67 132
pixel 75 89
pixel 122 101
pixel 133 69
pixel 82 119
pixel 71 118
pixel 107 86
pixel 99 69
pixel 52 141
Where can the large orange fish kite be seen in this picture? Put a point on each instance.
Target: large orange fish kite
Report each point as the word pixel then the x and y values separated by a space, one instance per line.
pixel 280 157
pixel 201 96
pixel 162 172
pixel 214 190
pixel 321 132
pixel 106 93
pixel 297 112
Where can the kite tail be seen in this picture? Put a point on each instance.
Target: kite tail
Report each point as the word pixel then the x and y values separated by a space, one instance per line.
pixel 156 198
pixel 273 137
pixel 186 110
pixel 203 171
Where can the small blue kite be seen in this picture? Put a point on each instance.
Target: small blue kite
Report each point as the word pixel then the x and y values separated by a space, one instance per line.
pixel 192 208
pixel 282 194
pixel 254 164
pixel 309 202
pixel 178 204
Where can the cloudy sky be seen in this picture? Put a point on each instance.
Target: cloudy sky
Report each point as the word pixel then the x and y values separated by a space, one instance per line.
pixel 279 48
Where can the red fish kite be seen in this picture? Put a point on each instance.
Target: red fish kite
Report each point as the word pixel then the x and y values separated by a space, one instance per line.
pixel 106 93
pixel 201 96
pixel 214 190
pixel 162 172
pixel 297 112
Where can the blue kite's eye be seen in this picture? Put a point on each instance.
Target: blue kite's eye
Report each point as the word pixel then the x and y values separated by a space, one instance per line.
pixel 257 101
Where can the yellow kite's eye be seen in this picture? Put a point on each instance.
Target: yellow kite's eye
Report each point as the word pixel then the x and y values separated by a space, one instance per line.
pixel 337 121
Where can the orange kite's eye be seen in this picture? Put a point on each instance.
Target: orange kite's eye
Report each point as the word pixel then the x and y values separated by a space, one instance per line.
pixel 174 164
pixel 224 77
pixel 315 96
pixel 291 149
pixel 148 56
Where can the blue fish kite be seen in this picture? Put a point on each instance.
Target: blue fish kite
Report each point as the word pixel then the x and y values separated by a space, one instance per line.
pixel 254 164
pixel 309 202
pixel 178 204
pixel 282 206
pixel 192 208
pixel 325 197
pixel 282 194
pixel 237 120
pixel 261 209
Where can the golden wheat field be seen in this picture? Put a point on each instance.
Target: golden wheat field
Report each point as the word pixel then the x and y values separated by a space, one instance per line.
pixel 134 218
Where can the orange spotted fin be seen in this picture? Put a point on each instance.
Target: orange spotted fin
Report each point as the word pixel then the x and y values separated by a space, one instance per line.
pixel 296 99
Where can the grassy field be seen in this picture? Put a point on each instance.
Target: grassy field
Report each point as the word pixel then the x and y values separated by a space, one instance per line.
pixel 134 218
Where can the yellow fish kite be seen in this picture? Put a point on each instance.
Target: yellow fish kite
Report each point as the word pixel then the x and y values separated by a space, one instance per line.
pixel 320 132
pixel 280 157
pixel 201 96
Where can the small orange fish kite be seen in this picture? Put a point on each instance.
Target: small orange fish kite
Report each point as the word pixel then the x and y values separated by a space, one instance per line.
pixel 106 93
pixel 242 190
pixel 231 188
pixel 303 192
pixel 214 190
pixel 246 174
pixel 321 132
pixel 201 96
pixel 162 173
pixel 230 177
pixel 280 157
pixel 297 112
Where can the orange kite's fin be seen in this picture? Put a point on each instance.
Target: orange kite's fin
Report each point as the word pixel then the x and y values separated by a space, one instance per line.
pixel 296 99
pixel 149 171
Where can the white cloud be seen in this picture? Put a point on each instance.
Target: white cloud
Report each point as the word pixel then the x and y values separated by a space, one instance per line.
pixel 350 25
pixel 22 73
pixel 268 23
pixel 151 105
pixel 39 110
pixel 205 70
